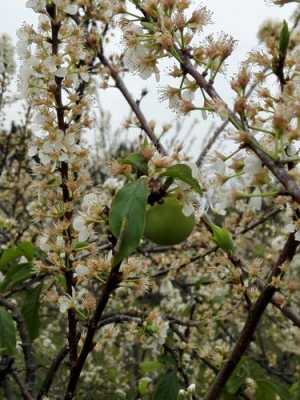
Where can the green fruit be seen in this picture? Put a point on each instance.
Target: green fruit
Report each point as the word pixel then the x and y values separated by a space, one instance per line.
pixel 166 224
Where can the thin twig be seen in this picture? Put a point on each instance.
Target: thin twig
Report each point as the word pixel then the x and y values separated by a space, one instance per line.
pixel 276 168
pixel 112 283
pixel 25 394
pixel 221 128
pixel 46 385
pixel 132 103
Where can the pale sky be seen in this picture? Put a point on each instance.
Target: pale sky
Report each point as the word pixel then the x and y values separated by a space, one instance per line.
pixel 240 18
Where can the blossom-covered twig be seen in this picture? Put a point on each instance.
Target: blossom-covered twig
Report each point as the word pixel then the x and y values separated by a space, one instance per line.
pixel 252 322
pixel 281 174
pixel 109 287
pixel 132 103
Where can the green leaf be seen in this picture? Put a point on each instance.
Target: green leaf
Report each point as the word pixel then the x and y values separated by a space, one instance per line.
pixel 128 211
pixel 28 250
pixel 234 384
pixel 77 246
pixel 284 39
pixel 265 391
pixel 184 173
pixel 222 238
pixel 294 391
pixel 149 366
pixel 143 385
pixel 30 311
pixel 7 333
pixel 16 274
pixel 167 387
pixel 9 255
pixel 137 161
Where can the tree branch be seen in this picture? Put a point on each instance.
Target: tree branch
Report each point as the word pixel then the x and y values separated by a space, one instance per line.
pixel 278 171
pixel 25 393
pixel 132 103
pixel 252 322
pixel 112 283
pixel 46 385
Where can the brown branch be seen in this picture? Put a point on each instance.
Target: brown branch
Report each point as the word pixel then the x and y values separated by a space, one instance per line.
pixel 252 322
pixel 67 196
pixel 25 393
pixel 46 385
pixel 278 171
pixel 132 103
pixel 277 299
pixel 213 249
pixel 112 283
pixel 286 310
pixel 211 142
pixel 139 318
pixel 221 128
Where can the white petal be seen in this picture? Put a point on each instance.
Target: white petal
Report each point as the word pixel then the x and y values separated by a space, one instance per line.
pixel 71 9
pixel 79 223
pixel 32 151
pixel 61 72
pixel 297 236
pixel 83 235
pixel 187 209
pixel 290 228
pixel 82 270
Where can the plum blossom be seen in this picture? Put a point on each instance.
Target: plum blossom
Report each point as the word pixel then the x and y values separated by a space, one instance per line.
pixel 294 227
pixel 82 270
pixel 66 302
pixel 140 60
pixel 255 202
pixel 36 5
pixel 7 62
pixel 84 229
pixel 92 205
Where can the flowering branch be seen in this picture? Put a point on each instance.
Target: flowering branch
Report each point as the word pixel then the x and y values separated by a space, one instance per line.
pixel 132 103
pixel 252 322
pixel 109 287
pixel 281 174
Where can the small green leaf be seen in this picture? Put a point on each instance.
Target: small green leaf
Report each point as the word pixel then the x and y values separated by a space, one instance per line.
pixel 128 210
pixel 16 274
pixel 148 366
pixel 9 255
pixel 294 391
pixel 30 311
pixel 184 173
pixel 77 246
pixel 137 161
pixel 167 387
pixel 284 39
pixel 265 391
pixel 143 385
pixel 28 250
pixel 7 333
pixel 222 238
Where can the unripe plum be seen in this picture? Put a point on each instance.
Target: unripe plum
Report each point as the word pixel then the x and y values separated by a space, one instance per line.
pixel 166 224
